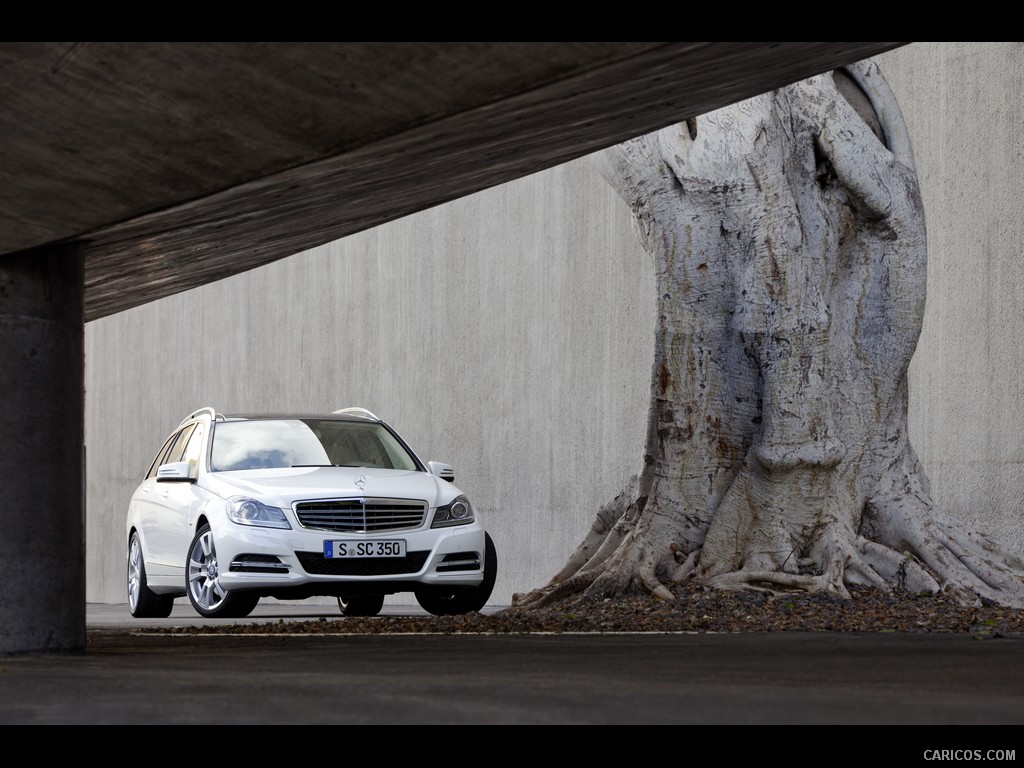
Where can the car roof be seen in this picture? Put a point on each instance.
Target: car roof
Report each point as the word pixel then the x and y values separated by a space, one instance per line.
pixel 345 414
pixel 273 416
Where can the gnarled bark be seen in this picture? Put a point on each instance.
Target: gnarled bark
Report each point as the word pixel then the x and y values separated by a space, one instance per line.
pixel 788 239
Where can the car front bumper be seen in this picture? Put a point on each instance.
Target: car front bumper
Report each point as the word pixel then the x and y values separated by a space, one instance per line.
pixel 277 561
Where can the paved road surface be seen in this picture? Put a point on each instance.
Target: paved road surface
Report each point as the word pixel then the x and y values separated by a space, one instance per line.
pixel 739 679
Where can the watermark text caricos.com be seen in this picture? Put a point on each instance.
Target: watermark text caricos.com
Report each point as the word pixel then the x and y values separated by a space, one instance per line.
pixel 970 754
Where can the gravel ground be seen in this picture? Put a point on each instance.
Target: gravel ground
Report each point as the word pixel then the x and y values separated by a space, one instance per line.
pixel 694 610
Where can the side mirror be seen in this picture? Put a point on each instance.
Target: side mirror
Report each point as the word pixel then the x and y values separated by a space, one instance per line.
pixel 175 472
pixel 442 470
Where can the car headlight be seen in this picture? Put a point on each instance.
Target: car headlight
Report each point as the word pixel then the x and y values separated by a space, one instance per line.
pixel 245 511
pixel 458 512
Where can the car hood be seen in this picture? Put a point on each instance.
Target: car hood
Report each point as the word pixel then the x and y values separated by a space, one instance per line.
pixel 282 487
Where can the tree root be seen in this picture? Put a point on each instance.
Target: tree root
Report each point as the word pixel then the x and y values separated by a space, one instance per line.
pixel 970 565
pixel 913 548
pixel 855 563
pixel 621 565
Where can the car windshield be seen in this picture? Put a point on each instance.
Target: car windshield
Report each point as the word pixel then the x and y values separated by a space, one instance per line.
pixel 271 443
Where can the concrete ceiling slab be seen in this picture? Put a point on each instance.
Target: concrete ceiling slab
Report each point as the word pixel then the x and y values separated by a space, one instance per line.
pixel 179 164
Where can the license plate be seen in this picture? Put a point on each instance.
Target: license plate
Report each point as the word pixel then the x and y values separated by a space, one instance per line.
pixel 338 549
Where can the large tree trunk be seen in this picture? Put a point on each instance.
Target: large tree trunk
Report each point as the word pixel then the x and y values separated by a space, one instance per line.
pixel 788 239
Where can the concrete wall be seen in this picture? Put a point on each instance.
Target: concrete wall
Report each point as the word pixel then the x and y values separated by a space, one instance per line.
pixel 511 334
pixel 963 105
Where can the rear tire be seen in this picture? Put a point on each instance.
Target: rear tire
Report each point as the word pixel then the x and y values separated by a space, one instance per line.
pixel 143 602
pixel 455 600
pixel 360 605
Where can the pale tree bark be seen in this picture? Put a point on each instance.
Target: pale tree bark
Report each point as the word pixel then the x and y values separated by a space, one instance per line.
pixel 788 239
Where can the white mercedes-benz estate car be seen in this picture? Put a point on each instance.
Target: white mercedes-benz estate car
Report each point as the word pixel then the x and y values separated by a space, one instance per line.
pixel 235 508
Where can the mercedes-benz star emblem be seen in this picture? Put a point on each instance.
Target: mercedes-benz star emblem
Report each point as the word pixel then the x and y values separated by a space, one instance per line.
pixel 360 481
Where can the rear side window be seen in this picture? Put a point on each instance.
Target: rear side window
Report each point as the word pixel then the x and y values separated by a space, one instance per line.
pixel 177 452
pixel 173 449
pixel 160 456
pixel 194 447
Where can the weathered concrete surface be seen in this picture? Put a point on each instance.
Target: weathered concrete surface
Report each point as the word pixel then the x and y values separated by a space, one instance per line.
pixel 183 163
pixel 962 103
pixel 42 602
pixel 509 333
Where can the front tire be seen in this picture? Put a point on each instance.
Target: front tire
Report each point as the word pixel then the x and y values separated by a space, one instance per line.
pixel 360 605
pixel 205 592
pixel 455 600
pixel 143 602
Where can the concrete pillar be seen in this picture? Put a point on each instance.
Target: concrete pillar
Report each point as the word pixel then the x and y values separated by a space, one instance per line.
pixel 42 507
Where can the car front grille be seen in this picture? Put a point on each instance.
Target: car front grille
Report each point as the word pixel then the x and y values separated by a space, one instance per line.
pixel 315 563
pixel 361 515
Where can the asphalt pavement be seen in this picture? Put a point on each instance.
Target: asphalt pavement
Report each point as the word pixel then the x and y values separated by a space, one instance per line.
pixel 785 678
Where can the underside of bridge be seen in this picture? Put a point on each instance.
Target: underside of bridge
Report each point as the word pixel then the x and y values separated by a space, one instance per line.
pixel 133 171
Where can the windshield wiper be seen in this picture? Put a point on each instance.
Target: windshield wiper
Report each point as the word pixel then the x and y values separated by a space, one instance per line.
pixel 327 465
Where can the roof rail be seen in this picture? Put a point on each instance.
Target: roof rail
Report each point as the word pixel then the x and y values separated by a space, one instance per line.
pixel 213 415
pixel 357 412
